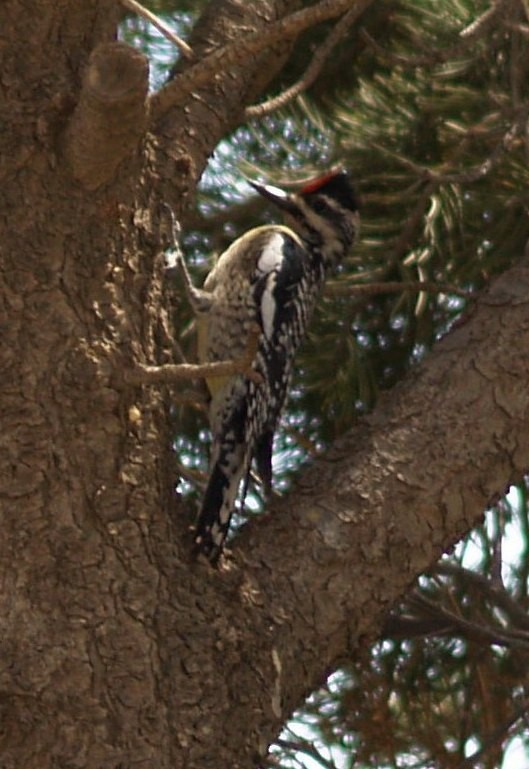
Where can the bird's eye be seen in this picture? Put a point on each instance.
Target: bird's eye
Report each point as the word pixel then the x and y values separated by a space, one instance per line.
pixel 320 206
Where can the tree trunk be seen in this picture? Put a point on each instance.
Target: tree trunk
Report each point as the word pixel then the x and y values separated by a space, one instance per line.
pixel 118 650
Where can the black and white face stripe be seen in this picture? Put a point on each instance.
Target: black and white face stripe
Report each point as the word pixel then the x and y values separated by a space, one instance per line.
pixel 324 223
pixel 324 214
pixel 337 187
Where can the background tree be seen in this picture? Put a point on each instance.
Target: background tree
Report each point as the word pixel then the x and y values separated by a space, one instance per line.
pixel 118 649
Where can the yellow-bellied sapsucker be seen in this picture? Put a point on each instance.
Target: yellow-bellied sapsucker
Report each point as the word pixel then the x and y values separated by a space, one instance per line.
pixel 272 276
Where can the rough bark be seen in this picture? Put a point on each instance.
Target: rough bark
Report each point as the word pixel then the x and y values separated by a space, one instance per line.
pixel 117 649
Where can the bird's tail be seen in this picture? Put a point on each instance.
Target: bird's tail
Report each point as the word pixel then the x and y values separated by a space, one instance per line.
pixel 229 463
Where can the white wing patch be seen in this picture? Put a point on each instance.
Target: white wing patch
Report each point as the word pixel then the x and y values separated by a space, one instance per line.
pixel 272 254
pixel 269 263
pixel 268 306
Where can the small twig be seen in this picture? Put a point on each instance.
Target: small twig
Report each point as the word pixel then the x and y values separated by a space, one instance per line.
pixel 173 373
pixel 306 443
pixel 483 169
pixel 474 32
pixel 312 71
pixel 394 58
pixel 499 596
pixel 190 398
pixel 421 171
pixel 302 745
pixel 482 24
pixel 406 626
pixel 496 736
pixel 191 474
pixel 480 633
pixel 161 26
pixel 523 578
pixel 472 174
pixel 498 516
pixel 390 287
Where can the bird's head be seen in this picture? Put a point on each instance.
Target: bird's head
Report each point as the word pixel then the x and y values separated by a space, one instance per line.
pixel 324 212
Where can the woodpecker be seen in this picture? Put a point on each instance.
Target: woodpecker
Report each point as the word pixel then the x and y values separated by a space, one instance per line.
pixel 270 279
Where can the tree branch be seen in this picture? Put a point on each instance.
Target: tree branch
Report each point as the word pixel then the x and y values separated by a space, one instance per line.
pixel 173 373
pixel 480 26
pixel 244 49
pixel 301 745
pixel 110 117
pixel 313 70
pixel 497 735
pixel 473 174
pixel 472 33
pixel 394 287
pixel 458 625
pixel 161 26
pixel 496 595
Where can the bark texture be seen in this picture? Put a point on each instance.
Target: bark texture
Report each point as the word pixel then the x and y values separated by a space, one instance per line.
pixel 117 649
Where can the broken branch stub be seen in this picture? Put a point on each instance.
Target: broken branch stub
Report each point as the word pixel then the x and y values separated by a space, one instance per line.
pixel 110 117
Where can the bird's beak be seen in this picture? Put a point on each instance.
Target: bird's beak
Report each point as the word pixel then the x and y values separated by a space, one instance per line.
pixel 276 196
